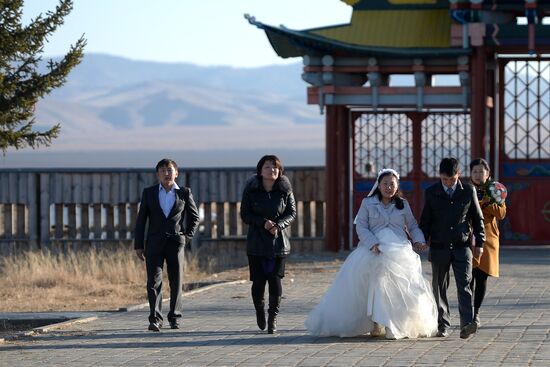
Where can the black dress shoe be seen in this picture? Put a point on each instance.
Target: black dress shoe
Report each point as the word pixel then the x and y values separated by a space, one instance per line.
pixel 155 326
pixel 174 325
pixel 468 330
pixel 442 333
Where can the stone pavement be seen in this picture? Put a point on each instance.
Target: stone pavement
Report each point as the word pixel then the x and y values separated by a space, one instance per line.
pixel 219 329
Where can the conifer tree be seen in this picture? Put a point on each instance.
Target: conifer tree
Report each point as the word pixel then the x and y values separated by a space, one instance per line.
pixel 22 83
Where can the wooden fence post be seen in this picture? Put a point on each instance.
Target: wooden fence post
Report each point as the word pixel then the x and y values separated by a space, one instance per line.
pixel 44 209
pixel 33 188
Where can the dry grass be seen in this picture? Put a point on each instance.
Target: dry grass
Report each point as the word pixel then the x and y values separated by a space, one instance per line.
pixel 90 280
pixel 103 280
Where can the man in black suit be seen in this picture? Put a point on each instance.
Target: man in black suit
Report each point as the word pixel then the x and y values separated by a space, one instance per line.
pixel 450 215
pixel 173 218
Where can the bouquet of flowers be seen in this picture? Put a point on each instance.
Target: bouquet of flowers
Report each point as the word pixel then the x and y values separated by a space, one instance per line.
pixel 496 192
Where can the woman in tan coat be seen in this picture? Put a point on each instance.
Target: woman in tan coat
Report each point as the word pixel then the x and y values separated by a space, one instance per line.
pixel 487 264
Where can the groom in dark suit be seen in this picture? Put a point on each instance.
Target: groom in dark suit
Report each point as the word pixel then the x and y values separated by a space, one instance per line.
pixel 173 218
pixel 450 216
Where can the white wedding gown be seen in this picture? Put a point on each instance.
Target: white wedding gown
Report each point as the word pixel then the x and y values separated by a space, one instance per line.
pixel 386 288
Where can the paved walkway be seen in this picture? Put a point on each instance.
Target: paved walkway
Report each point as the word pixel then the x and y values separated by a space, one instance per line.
pixel 219 330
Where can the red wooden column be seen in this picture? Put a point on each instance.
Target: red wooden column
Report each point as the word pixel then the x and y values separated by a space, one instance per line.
pixel 478 87
pixel 331 186
pixel 337 181
pixel 417 175
pixel 491 117
pixel 342 152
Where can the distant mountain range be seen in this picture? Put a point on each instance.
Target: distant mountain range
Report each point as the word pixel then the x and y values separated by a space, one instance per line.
pixel 119 105
pixel 117 112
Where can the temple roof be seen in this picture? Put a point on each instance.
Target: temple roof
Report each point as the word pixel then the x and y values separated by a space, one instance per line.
pixel 377 27
pixel 395 28
pixel 426 33
pixel 441 4
pixel 397 4
pixel 417 28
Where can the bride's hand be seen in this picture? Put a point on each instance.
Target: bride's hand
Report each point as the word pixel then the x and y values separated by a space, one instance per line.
pixel 420 246
pixel 375 249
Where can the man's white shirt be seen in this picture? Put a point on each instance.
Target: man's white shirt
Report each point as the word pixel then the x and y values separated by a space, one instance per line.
pixel 167 199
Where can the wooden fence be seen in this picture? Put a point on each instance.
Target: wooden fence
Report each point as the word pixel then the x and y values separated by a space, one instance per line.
pixel 76 207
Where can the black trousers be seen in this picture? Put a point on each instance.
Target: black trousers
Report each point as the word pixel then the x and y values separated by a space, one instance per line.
pixel 272 276
pixel 479 287
pixel 460 258
pixel 173 255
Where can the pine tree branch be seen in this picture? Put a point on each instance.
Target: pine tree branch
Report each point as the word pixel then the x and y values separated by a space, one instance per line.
pixel 22 84
pixel 25 137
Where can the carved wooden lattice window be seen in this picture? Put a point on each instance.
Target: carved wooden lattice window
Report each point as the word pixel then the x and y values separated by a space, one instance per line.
pixel 383 141
pixel 445 135
pixel 527 109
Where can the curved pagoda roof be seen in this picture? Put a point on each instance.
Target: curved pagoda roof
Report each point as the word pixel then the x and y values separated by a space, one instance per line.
pixel 377 28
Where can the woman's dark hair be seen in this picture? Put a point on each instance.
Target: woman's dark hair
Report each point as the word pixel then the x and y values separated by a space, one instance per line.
pixel 480 161
pixel 166 162
pixel 449 166
pixel 397 198
pixel 272 158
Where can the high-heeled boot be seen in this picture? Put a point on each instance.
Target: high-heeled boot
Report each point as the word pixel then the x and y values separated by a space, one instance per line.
pixel 259 305
pixel 273 311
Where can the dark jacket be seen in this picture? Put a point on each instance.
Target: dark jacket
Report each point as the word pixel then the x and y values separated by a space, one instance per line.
pixel 178 228
pixel 257 206
pixel 447 220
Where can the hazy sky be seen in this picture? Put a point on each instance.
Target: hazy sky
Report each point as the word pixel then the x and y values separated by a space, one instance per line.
pixel 204 32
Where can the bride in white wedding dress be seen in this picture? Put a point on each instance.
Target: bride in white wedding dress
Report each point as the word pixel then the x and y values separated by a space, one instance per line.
pixel 380 287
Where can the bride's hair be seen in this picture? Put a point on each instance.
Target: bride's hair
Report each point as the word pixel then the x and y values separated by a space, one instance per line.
pixel 397 198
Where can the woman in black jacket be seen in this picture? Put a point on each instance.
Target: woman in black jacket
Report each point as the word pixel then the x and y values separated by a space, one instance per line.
pixel 268 207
